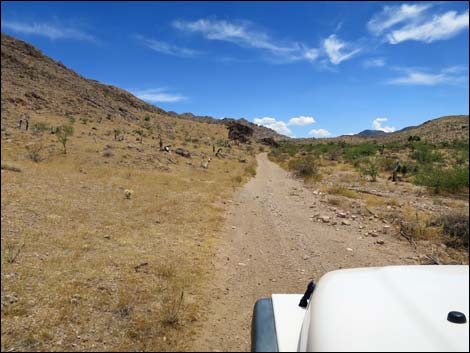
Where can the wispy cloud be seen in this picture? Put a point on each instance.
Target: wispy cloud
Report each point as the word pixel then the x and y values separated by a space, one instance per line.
pixel 374 62
pixel 244 34
pixel 454 75
pixel 319 133
pixel 338 50
pixel 393 15
pixel 377 125
pixel 47 30
pixel 415 22
pixel 272 123
pixel 439 27
pixel 167 48
pixel 158 95
pixel 301 120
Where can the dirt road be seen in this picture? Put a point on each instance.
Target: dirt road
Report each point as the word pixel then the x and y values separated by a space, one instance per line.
pixel 271 244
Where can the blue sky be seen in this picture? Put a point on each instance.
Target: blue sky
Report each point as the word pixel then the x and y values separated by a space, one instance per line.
pixel 302 68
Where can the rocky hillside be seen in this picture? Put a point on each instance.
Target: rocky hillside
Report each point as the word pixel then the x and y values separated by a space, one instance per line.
pixel 447 128
pixel 33 82
pixel 443 129
pixel 259 132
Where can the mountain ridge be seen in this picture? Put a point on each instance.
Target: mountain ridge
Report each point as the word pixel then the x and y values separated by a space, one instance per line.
pixel 35 82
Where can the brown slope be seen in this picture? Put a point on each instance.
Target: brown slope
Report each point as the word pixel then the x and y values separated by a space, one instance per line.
pixel 259 132
pixel 33 82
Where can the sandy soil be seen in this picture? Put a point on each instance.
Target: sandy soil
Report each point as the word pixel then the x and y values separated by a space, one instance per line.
pixel 272 244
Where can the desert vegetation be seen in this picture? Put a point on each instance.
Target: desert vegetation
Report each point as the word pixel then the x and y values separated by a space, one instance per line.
pixel 106 236
pixel 419 187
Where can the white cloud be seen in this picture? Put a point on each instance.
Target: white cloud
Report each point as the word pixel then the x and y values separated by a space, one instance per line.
pixel 238 33
pixel 440 27
pixel 414 22
pixel 278 126
pixel 337 50
pixel 319 133
pixel 393 15
pixel 47 30
pixel 310 54
pixel 374 62
pixel 377 124
pixel 167 48
pixel 158 95
pixel 301 120
pixel 453 75
pixel 244 34
pixel 264 121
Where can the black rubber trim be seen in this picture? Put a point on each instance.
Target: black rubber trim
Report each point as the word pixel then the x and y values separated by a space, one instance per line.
pixel 263 329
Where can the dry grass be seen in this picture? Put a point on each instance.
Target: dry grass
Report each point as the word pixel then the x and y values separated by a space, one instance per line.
pixel 99 271
pixel 373 201
pixel 338 190
pixel 419 224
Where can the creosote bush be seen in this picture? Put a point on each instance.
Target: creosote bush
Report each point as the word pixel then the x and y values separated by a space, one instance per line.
pixel 369 168
pixel 305 167
pixel 439 179
pixel 63 133
pixel 455 229
pixel 34 151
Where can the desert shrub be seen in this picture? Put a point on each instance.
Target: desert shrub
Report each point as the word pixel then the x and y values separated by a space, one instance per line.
pixel 140 132
pixel 128 193
pixel 414 138
pixel 289 148
pixel 408 168
pixel 84 120
pixel 117 132
pixel 460 150
pixel 72 120
pixel 393 146
pixel 250 170
pixel 333 201
pixel 172 307
pixel 354 152
pixel 305 167
pixel 424 154
pixel 368 167
pixel 387 164
pixel 147 118
pixel 12 251
pixel 34 151
pixel 237 179
pixel 455 229
pixel 63 133
pixel 261 149
pixel 275 153
pixel 439 179
pixel 40 127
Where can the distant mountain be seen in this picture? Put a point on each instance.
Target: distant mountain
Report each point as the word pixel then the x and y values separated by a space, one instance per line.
pixel 371 133
pixel 444 129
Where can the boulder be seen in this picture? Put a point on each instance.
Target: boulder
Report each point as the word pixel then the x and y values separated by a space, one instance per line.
pixel 183 152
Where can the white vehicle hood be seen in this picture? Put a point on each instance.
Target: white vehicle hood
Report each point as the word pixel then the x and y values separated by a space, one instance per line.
pixel 402 308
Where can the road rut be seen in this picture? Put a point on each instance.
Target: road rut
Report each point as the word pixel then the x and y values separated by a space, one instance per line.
pixel 271 244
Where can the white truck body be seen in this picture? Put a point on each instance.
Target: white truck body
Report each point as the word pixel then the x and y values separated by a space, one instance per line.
pixel 397 308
